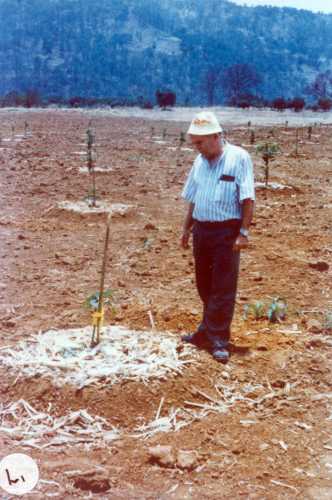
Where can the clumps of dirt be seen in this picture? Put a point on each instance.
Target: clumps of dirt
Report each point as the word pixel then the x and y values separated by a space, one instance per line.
pixel 95 484
pixel 166 456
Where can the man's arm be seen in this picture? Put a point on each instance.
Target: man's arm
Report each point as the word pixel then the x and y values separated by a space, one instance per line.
pixel 247 213
pixel 247 216
pixel 188 222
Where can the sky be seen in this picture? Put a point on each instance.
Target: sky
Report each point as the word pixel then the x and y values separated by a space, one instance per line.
pixel 314 5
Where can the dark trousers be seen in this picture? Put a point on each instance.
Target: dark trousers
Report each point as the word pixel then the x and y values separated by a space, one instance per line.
pixel 217 270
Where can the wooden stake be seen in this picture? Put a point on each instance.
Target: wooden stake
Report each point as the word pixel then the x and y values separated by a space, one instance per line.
pixel 297 142
pixel 96 328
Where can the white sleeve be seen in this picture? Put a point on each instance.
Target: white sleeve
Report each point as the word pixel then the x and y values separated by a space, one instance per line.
pixel 190 187
pixel 245 178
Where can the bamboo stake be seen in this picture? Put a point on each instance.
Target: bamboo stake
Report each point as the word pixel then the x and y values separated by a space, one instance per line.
pixel 160 406
pixel 152 323
pixel 96 328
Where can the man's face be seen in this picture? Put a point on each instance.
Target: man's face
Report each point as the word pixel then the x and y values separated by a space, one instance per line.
pixel 207 145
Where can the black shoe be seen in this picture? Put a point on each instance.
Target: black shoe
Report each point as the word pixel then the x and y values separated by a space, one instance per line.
pixel 198 339
pixel 221 354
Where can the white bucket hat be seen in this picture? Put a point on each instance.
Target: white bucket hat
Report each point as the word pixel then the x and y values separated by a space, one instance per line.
pixel 204 123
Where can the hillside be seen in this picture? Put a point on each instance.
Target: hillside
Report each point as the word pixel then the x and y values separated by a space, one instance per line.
pixel 129 48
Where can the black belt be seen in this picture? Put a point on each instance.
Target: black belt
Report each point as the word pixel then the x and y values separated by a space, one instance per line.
pixel 216 224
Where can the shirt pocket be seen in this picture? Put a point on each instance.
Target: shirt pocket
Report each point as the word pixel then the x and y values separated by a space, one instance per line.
pixel 225 192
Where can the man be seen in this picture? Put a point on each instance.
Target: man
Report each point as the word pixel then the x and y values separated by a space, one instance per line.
pixel 220 192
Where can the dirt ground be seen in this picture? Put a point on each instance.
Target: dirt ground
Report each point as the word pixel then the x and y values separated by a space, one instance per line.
pixel 279 445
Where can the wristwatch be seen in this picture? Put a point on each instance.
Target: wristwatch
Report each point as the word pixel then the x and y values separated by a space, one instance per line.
pixel 244 232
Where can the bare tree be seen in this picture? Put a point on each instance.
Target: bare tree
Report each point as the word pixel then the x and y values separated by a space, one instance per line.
pixel 32 98
pixel 238 80
pixel 321 87
pixel 210 83
pixel 165 99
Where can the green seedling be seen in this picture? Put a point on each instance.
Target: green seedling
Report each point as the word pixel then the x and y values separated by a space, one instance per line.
pixel 92 301
pixel 147 243
pixel 268 151
pixel 277 310
pixel 256 310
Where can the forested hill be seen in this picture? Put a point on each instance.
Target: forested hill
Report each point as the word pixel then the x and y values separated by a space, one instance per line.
pixel 131 48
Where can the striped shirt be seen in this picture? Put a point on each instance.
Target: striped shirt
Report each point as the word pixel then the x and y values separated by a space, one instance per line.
pixel 217 191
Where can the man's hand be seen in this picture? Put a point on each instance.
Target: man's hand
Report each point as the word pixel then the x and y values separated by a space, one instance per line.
pixel 185 238
pixel 241 243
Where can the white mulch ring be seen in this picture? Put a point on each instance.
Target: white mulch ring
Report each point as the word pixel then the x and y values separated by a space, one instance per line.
pixel 272 185
pixel 65 356
pixel 173 148
pixel 102 207
pixel 85 170
pixel 29 427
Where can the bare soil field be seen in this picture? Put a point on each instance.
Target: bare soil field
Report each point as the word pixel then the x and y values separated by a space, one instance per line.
pixel 256 428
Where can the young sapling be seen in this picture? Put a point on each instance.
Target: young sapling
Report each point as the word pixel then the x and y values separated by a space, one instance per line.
pixel 268 151
pixel 296 142
pixel 97 300
pixel 90 161
pixel 182 139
